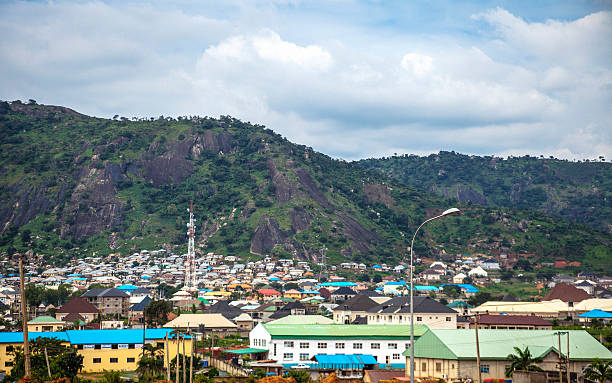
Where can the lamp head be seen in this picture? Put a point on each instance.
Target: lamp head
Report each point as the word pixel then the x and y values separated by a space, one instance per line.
pixel 450 211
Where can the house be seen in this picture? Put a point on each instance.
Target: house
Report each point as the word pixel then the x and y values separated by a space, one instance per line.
pixel 478 272
pixel 208 323
pixel 224 308
pixel 136 312
pixel 342 294
pixel 354 309
pixel 429 275
pixel 378 375
pixel 109 301
pixel 490 264
pixel 427 311
pixel 511 322
pixel 269 293
pixel 79 306
pixel 45 323
pixel 299 343
pixel 451 354
pixel 566 293
pixel 292 294
pixel 458 278
pixel 586 286
pixel 291 308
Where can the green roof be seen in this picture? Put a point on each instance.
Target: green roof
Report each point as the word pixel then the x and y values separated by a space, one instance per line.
pixel 349 331
pixel 498 344
pixel 44 319
pixel 243 351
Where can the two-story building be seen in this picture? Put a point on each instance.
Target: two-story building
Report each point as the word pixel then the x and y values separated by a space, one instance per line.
pixel 291 344
pixel 109 301
pixel 427 311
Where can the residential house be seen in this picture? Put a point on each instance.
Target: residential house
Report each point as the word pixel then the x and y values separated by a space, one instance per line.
pixel 45 323
pixel 207 323
pixel 451 354
pixel 109 301
pixel 79 306
pixel 511 322
pixel 426 310
pixel 354 310
pixel 342 294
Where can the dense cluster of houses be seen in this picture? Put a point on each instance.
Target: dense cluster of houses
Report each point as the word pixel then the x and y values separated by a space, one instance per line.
pixel 293 320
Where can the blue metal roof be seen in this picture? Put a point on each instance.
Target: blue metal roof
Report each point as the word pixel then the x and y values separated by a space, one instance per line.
pixel 17 337
pixel 597 313
pixel 127 287
pixel 115 336
pixel 337 284
pixel 343 361
pixel 468 288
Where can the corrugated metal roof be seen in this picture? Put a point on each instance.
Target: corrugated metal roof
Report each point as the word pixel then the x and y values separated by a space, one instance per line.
pixel 17 337
pixel 324 331
pixel 350 361
pixel 498 344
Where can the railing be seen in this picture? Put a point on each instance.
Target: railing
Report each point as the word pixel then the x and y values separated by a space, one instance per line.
pixel 221 365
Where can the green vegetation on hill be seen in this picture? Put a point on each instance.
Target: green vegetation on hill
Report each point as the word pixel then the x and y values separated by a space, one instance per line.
pixel 74 185
pixel 575 191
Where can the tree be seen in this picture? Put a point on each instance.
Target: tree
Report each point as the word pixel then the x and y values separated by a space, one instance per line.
pixel 522 360
pixel 598 371
pixel 156 312
pixel 452 291
pixel 300 376
pixel 480 298
pixel 63 361
pixel 377 279
pixel 151 365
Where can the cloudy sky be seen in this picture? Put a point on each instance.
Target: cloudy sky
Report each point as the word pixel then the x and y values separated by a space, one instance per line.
pixel 353 79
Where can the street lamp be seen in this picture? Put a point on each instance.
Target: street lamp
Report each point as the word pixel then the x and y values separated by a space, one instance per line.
pixel 451 211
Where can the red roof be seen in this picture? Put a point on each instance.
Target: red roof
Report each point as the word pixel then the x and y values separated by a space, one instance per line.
pixel 269 292
pixel 512 320
pixel 78 305
pixel 567 293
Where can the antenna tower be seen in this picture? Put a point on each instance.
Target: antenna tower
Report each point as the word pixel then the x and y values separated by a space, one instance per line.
pixel 323 263
pixel 190 264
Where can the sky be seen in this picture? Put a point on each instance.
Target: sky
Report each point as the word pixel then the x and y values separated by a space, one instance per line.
pixel 351 78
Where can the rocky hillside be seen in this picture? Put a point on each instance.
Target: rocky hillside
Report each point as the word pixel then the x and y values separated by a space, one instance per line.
pixel 73 185
pixel 574 191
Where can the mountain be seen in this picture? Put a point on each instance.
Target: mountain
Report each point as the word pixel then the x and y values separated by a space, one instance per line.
pixel 73 185
pixel 575 191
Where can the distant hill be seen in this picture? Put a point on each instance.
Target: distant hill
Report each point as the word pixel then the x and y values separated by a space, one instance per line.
pixel 575 191
pixel 73 185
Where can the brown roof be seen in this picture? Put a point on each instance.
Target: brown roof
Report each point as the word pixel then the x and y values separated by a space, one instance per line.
pixel 512 320
pixel 378 375
pixel 78 305
pixel 567 293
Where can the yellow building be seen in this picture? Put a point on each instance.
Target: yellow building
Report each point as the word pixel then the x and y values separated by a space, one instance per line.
pixel 45 323
pixel 292 294
pixel 118 350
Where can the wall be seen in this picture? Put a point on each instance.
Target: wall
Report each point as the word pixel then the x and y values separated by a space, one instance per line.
pixel 431 320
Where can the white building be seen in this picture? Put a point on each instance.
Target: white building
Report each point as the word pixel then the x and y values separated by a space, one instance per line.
pixel 299 343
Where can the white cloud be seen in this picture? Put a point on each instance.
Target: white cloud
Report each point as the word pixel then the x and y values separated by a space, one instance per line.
pixel 351 91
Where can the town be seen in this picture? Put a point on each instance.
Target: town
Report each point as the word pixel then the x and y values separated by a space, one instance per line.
pixel 271 317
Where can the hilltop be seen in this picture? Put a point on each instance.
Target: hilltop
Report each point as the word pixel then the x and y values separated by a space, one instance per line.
pixel 575 191
pixel 73 185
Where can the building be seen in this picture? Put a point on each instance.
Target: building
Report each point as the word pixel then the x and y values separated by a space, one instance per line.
pixel 102 350
pixel 109 301
pixel 566 293
pixel 342 294
pixel 451 354
pixel 511 322
pixel 354 310
pixel 427 311
pixel 546 309
pixel 45 323
pixel 298 343
pixel 212 323
pixel 79 306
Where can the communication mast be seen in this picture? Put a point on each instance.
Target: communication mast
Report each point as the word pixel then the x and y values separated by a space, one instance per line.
pixel 190 264
pixel 323 263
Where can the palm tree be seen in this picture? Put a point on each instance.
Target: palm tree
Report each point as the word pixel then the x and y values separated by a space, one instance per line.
pixel 522 360
pixel 598 371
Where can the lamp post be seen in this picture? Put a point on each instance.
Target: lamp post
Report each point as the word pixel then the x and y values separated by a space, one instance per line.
pixel 451 211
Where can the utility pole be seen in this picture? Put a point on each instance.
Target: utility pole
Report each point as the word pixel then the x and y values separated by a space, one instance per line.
pixel 191 360
pixel 47 360
pixel 560 358
pixel 567 370
pixel 184 364
pixel 478 351
pixel 24 318
pixel 167 358
pixel 178 350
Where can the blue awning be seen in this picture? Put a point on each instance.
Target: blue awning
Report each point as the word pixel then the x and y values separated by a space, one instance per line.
pixel 343 361
pixel 597 313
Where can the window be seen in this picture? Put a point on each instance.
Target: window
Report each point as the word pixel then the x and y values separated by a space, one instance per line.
pixel 288 343
pixel 274 349
pixel 438 367
pixel 97 360
pixel 423 366
pixel 304 345
pixel 448 319
pixel 131 360
pixel 303 357
pixel 322 345
pixel 9 348
pixel 375 346
pixel 8 364
pixel 340 345
pixel 393 346
pixel 419 319
pixel 131 346
pixel 114 360
pixel 288 355
pixel 484 368
pixel 396 356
